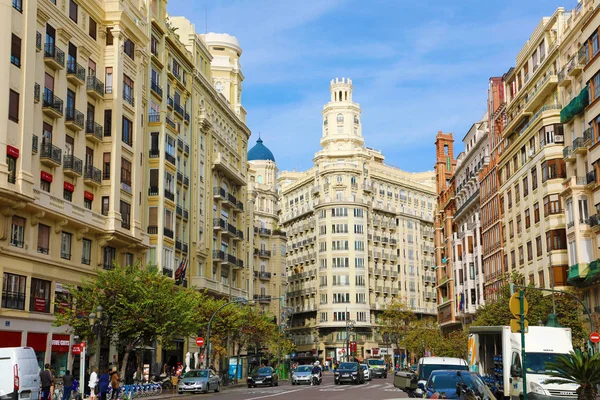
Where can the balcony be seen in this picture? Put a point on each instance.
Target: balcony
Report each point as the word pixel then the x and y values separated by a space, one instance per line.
pixel 536 97
pixel 262 253
pixel 54 57
pixel 179 210
pixel 568 153
pixel 219 224
pixel 170 158
pixel 156 89
pixel 178 109
pixel 219 193
pixel 36 92
pixel 169 195
pixel 167 272
pixel 171 123
pixel 52 106
pixel 262 231
pixel 75 73
pixel 152 230
pixel 128 96
pixel 178 244
pixel 154 118
pixel 186 180
pixel 50 155
pixel 95 87
pixel 186 117
pixel 38 41
pixel 590 178
pixel 231 230
pixel 169 101
pixel 224 165
pixel 168 232
pixel 74 119
pixel 576 64
pixel 34 144
pixel 179 177
pixel 92 175
pixel 264 275
pixel 239 235
pixel 153 191
pixel 93 131
pixel 186 148
pixel 184 247
pixel 262 298
pixel 72 166
pixel 239 263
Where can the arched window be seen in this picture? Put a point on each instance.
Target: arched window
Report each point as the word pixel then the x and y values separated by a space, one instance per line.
pixel 325 122
pixel 353 180
pixel 340 98
pixel 338 179
pixel 340 118
pixel 356 121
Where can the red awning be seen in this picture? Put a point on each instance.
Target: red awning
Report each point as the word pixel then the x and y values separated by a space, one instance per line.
pixel 10 339
pixel 37 341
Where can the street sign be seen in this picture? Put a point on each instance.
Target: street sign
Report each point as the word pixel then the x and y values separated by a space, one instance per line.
pixel 515 325
pixel 515 306
pixel 595 337
pixel 200 341
pixel 76 349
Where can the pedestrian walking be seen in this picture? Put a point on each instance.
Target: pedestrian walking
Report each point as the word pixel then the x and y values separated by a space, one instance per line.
pixel 67 385
pixel 46 381
pixel 103 384
pixel 93 382
pixel 114 383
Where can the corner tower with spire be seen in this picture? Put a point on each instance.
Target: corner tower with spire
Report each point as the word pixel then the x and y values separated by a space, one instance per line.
pixel 341 118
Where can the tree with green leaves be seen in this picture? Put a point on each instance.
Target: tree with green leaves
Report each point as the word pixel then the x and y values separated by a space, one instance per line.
pixel 395 322
pixel 140 304
pixel 541 304
pixel 579 368
pixel 423 335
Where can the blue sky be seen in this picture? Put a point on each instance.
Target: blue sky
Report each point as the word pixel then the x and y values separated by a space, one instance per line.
pixel 417 66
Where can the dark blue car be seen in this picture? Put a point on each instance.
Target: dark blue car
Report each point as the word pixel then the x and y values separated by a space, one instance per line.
pixel 444 384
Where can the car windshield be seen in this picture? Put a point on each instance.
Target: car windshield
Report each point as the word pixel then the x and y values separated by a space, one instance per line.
pixel 376 362
pixel 536 362
pixel 304 368
pixel 364 366
pixel 350 366
pixel 264 370
pixel 196 374
pixel 426 369
pixel 445 382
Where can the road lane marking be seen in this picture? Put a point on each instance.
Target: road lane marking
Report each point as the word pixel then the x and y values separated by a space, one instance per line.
pixel 276 394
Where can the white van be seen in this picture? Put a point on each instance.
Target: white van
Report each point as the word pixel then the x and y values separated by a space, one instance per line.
pixel 19 374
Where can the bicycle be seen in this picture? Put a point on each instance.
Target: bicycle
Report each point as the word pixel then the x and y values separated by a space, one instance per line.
pixel 58 391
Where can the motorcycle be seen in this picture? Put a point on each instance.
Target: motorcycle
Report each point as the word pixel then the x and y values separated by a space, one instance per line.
pixel 316 379
pixel 164 381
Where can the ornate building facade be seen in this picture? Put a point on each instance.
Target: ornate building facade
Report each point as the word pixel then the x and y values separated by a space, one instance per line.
pixel 360 234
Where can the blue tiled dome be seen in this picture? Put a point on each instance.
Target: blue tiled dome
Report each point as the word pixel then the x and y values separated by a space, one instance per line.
pixel 260 152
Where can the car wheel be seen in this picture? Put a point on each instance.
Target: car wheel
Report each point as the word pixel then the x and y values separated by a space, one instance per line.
pixel 180 392
pixel 293 383
pixel 271 384
pixel 217 388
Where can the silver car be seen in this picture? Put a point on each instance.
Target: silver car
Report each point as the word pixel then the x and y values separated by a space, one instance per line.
pixel 367 370
pixel 199 380
pixel 301 374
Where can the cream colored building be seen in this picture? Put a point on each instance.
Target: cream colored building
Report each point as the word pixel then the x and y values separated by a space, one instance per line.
pixel 467 246
pixel 269 285
pixel 532 169
pixel 580 79
pixel 71 185
pixel 360 233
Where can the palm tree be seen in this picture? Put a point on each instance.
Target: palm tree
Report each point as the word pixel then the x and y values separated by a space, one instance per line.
pixel 579 368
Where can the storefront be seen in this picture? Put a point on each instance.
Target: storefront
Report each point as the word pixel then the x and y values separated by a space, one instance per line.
pixel 38 341
pixel 60 353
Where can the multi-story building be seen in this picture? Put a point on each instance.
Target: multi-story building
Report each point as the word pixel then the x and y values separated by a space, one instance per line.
pixel 267 265
pixel 531 168
pixel 580 78
pixel 360 234
pixel 218 225
pixel 489 200
pixel 467 249
pixel 445 166
pixel 72 183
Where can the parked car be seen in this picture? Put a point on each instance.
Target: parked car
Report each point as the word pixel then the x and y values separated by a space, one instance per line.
pixel 263 376
pixel 367 372
pixel 301 374
pixel 349 372
pixel 452 384
pixel 199 380
pixel 19 373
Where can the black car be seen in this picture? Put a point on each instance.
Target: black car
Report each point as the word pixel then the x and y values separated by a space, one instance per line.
pixel 263 376
pixel 349 372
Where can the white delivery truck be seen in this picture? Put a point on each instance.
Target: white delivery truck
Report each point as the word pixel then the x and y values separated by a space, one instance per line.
pixel 495 353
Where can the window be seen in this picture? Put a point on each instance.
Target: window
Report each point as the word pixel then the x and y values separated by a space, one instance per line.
pixel 109 254
pixel 154 46
pixel 105 205
pixel 108 79
pixel 13 106
pixel 39 300
pixel 13 291
pixel 17 231
pixel 527 219
pixel 45 185
pixel 18 5
pixel 519 224
pixel 556 240
pixel 125 214
pixel 106 166
pixel 534 182
pixel 93 28
pixel 553 169
pixel 127 134
pixel 11 163
pixel 15 51
pixel 107 122
pixel 128 89
pixel 126 172
pixel 509 199
pixel 86 251
pixel 129 49
pixel 538 246
pixel 552 205
pixel 529 251
pixel 67 194
pixel 43 238
pixel 536 212
pixel 65 246
pixel 73 9
pixel 525 187
pixel 87 203
pixel 109 36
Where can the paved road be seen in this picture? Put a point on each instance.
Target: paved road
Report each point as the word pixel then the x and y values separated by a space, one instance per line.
pixel 377 389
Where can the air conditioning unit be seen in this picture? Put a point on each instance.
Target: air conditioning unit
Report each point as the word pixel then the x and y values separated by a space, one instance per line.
pixel 559 139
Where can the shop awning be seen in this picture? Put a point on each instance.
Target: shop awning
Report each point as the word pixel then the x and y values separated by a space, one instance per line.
pixel 593 275
pixel 575 106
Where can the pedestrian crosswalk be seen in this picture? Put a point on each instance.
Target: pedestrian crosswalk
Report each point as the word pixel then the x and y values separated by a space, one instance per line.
pixel 367 386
